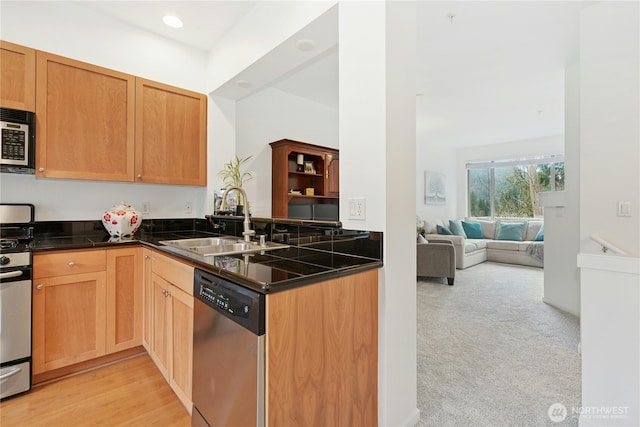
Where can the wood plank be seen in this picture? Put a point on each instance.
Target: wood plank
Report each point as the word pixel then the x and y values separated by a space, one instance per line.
pixel 131 392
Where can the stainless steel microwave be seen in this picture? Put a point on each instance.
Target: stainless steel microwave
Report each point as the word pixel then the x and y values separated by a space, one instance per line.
pixel 18 141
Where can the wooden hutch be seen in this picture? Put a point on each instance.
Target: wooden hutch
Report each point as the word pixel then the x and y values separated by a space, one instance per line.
pixel 310 193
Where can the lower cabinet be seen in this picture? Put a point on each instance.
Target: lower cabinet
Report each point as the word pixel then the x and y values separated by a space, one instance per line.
pixel 86 304
pixel 168 320
pixel 69 321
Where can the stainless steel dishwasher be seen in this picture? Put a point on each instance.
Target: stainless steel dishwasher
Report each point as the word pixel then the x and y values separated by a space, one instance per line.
pixel 228 353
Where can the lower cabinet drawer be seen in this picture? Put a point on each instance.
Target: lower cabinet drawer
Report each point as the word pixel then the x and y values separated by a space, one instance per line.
pixel 68 262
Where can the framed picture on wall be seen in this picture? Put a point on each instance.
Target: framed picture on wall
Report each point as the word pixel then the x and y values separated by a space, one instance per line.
pixel 435 189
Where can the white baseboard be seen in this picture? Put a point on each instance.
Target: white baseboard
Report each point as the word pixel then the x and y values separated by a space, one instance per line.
pixel 413 419
pixel 560 307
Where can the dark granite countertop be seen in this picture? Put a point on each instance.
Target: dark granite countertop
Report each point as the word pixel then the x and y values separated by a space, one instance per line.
pixel 313 255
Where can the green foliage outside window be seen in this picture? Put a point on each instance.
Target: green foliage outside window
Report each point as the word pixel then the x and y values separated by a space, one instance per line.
pixel 513 189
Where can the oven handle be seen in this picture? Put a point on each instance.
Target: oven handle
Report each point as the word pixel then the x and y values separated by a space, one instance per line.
pixel 10 373
pixel 11 274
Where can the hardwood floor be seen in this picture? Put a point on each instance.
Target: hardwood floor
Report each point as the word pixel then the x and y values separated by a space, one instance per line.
pixel 131 392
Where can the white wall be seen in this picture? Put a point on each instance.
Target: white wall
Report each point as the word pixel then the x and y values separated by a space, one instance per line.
pixel 609 159
pixel 506 150
pixel 610 124
pixel 72 30
pixel 271 115
pixel 562 219
pixel 377 149
pixel 436 158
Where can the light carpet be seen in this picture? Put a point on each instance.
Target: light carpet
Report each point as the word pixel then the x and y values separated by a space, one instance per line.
pixel 491 353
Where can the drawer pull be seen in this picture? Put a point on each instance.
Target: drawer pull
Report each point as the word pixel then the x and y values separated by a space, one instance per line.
pixel 10 373
pixel 72 264
pixel 39 287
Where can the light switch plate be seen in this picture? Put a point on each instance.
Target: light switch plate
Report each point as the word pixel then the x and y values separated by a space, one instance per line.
pixel 624 208
pixel 357 209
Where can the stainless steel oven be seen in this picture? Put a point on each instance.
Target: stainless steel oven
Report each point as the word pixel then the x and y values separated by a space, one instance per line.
pixel 18 130
pixel 16 238
pixel 228 354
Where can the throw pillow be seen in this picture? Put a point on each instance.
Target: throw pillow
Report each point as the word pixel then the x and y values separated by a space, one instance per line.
pixel 540 235
pixel 421 239
pixel 443 230
pixel 473 230
pixel 510 231
pixel 455 225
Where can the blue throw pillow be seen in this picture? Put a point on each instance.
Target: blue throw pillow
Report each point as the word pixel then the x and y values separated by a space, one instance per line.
pixel 510 231
pixel 443 230
pixel 540 235
pixel 473 230
pixel 456 227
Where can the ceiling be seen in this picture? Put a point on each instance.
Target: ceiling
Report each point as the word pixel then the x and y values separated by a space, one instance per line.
pixel 487 72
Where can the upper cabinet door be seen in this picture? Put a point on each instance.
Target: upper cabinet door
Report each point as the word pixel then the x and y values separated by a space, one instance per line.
pixel 84 120
pixel 171 135
pixel 332 174
pixel 17 77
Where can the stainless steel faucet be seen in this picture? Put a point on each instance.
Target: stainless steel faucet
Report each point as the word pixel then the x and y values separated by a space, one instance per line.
pixel 248 232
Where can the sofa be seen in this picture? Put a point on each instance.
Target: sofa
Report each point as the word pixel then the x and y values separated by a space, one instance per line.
pixel 513 241
pixel 436 258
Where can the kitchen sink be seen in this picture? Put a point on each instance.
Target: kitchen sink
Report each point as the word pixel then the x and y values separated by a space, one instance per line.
pixel 216 246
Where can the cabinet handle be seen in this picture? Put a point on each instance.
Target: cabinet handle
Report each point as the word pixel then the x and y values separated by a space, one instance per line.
pixel 139 176
pixel 39 287
pixel 147 257
pixel 72 264
pixel 40 169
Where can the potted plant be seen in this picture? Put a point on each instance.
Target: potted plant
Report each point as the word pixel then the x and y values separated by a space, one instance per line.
pixel 233 176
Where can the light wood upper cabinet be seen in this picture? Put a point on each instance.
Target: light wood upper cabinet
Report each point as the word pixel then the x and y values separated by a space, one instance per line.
pixel 124 298
pixel 84 120
pixel 171 135
pixel 17 77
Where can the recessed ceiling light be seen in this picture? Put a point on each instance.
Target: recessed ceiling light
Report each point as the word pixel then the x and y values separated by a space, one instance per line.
pixel 172 21
pixel 243 83
pixel 306 45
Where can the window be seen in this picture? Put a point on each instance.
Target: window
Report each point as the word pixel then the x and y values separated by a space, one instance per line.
pixel 509 188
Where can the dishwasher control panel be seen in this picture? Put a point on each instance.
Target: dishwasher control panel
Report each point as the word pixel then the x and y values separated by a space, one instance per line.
pixel 242 305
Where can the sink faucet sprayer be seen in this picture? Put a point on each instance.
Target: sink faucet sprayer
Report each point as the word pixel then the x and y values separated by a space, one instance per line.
pixel 248 232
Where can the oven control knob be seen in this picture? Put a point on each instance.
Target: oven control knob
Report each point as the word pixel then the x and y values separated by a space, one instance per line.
pixel 5 260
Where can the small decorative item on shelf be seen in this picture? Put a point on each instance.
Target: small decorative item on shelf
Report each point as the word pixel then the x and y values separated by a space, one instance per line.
pixel 300 163
pixel 309 191
pixel 122 220
pixel 309 167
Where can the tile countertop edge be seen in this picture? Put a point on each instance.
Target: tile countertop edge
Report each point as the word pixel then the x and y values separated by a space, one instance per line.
pixel 245 281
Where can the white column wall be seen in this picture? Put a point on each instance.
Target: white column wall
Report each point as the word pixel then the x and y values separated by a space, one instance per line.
pixel 377 149
pixel 610 124
pixel 562 220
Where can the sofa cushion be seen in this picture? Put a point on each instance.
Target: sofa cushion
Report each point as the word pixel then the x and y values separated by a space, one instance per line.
pixel 532 228
pixel 488 227
pixel 510 231
pixel 430 226
pixel 540 236
pixel 455 225
pixel 443 230
pixel 506 245
pixel 471 245
pixel 473 230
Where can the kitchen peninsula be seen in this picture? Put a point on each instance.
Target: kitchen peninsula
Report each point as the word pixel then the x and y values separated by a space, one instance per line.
pixel 321 307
